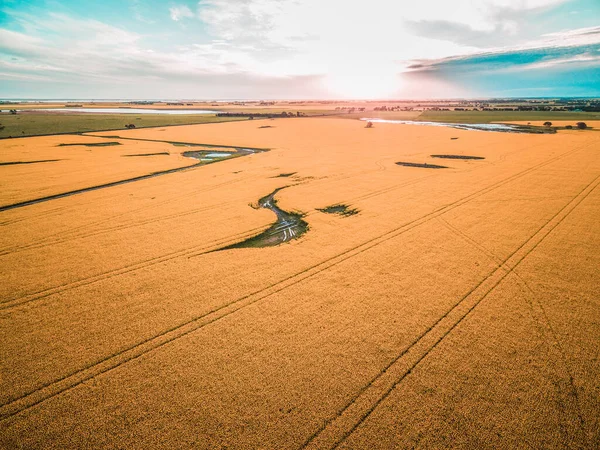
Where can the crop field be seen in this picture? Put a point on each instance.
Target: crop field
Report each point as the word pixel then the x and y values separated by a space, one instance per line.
pixel 305 291
pixel 36 123
pixel 40 167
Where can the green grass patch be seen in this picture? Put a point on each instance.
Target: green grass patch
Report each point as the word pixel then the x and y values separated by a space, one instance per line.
pixel 36 124
pixel 505 116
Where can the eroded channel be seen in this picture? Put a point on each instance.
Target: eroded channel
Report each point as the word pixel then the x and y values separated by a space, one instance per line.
pixel 289 226
pixel 205 156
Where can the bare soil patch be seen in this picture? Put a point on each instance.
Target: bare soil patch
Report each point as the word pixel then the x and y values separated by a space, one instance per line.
pixel 13 163
pixel 457 157
pixel 285 175
pixel 90 144
pixel 422 165
pixel 147 154
pixel 341 210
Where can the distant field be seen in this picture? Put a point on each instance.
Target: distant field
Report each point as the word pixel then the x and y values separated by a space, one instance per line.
pixel 389 115
pixel 279 110
pixel 504 116
pixel 35 124
pixel 475 116
pixel 32 124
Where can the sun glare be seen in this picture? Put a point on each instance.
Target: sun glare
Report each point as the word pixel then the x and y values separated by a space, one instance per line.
pixel 364 85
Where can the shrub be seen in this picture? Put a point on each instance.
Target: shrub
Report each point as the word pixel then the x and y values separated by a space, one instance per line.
pixel 547 124
pixel 581 125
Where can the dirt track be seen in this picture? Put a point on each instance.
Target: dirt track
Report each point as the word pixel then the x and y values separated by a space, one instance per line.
pixel 458 309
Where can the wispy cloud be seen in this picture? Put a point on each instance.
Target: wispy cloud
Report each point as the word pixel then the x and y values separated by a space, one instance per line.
pixel 576 45
pixel 180 12
pixel 109 57
pixel 339 47
pixel 139 10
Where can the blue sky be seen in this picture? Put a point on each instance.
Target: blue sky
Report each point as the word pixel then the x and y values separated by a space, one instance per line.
pixel 213 49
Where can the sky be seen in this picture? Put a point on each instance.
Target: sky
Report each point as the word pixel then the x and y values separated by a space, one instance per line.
pixel 299 49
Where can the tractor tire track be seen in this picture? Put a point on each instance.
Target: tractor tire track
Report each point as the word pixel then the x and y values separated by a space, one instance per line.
pixel 67 382
pixel 347 419
pixel 544 327
pixel 196 252
pixel 204 248
pixel 72 235
pixel 71 232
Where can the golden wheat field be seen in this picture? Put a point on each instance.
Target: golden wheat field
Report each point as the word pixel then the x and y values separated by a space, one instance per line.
pixel 456 308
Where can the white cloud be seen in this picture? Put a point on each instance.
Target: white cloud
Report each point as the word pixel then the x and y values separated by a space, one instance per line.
pixel 358 47
pixel 180 12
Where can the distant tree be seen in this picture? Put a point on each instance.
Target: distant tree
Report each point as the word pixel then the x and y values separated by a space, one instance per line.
pixel 569 127
pixel 547 124
pixel 581 125
pixel 13 111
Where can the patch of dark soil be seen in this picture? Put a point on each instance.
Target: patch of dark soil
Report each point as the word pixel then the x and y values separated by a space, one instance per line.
pixel 14 163
pixel 424 166
pixel 267 126
pixel 288 226
pixel 285 175
pixel 147 154
pixel 342 210
pixel 91 144
pixel 453 139
pixel 457 157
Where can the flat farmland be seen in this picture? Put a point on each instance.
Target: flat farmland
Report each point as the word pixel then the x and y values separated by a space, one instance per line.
pixel 454 307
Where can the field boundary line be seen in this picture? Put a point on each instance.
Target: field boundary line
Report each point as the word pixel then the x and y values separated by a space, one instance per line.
pixel 118 358
pixel 48 198
pixel 335 430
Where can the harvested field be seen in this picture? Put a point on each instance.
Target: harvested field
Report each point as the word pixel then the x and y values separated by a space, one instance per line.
pixel 459 309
